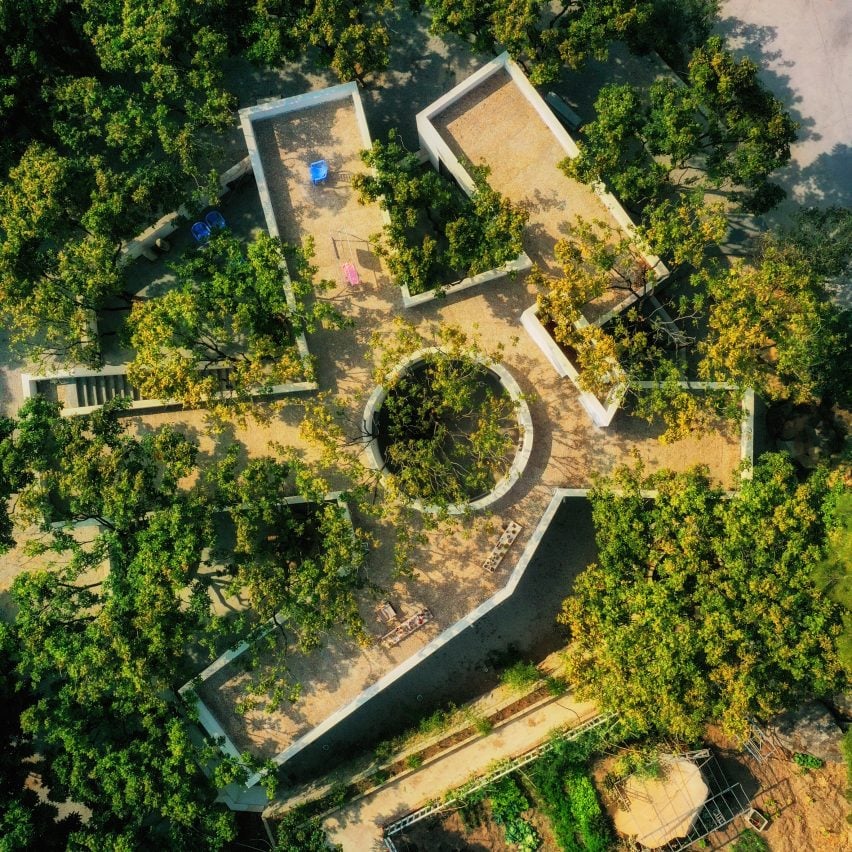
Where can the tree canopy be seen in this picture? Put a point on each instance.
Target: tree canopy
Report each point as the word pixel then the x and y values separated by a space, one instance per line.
pixel 701 606
pixel 719 128
pixel 228 309
pixel 119 612
pixel 773 327
pixel 436 235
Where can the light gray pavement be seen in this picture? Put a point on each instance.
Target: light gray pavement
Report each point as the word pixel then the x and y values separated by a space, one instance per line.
pixel 358 827
pixel 804 50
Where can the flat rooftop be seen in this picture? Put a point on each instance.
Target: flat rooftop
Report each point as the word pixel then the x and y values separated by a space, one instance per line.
pixel 496 122
pixel 450 581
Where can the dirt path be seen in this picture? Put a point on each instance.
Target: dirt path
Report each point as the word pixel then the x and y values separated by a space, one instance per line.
pixel 358 827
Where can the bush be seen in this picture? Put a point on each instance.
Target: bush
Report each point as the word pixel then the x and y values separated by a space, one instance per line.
pixel 569 797
pixel 436 233
pixel 750 841
pixel 520 676
pixel 414 761
pixel 507 804
pixel 808 761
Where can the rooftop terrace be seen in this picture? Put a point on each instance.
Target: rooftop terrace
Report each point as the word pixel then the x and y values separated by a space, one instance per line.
pixel 497 118
pixel 283 138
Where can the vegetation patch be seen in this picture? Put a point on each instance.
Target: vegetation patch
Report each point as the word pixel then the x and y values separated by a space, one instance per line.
pixel 447 429
pixel 436 236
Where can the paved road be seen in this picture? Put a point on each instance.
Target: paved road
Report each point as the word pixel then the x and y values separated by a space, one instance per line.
pixel 804 50
pixel 358 827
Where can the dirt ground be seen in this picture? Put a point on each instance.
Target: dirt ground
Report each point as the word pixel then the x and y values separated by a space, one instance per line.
pixel 450 834
pixel 807 811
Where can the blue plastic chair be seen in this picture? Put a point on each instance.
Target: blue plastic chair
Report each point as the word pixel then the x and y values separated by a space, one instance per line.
pixel 201 232
pixel 215 220
pixel 319 171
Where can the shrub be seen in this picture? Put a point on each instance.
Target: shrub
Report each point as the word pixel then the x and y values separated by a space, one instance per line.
pixel 556 685
pixel 808 761
pixel 520 676
pixel 569 798
pixel 414 761
pixel 507 804
pixel 750 841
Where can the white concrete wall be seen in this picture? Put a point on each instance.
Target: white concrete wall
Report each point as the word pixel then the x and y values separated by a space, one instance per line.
pixel 521 264
pixel 522 412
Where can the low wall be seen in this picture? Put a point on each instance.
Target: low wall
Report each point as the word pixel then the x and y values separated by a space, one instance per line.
pixel 377 462
pixel 439 151
pixel 144 243
pixel 188 691
pixel 521 264
pixel 601 414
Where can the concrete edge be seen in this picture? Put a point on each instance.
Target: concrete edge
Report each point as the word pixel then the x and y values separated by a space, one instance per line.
pixel 522 411
pixel 439 641
pixel 521 264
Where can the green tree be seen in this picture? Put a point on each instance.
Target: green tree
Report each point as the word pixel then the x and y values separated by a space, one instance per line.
pixel 100 636
pixel 106 122
pixel 351 38
pixel 228 309
pixel 294 833
pixel 446 436
pixel 298 561
pixel 436 235
pixel 541 37
pixel 772 327
pixel 703 607
pixel 26 822
pixel 721 127
pixel 823 238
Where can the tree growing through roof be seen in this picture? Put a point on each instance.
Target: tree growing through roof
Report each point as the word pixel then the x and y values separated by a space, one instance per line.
pixel 703 607
pixel 436 234
pixel 229 309
pixel 299 564
pixel 645 342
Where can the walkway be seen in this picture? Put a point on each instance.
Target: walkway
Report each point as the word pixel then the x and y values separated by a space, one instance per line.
pixel 358 827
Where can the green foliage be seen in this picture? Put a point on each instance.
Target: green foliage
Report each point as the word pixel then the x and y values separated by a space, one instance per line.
pixel 228 309
pixel 750 841
pixel 414 761
pixel 446 434
pixel 520 676
pixel 545 38
pixel 846 748
pixel 436 235
pixel 642 762
pixel 823 238
pixel 806 762
pixel 772 327
pixel 834 573
pixel 642 343
pixel 351 38
pixel 722 119
pixel 100 636
pixel 106 121
pixel 569 798
pixel 703 607
pixel 507 805
pixel 295 833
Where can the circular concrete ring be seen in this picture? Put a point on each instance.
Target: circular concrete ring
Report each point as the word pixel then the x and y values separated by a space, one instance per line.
pixel 522 456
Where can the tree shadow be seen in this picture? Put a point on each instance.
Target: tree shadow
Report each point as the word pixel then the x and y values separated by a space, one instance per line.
pixel 753 41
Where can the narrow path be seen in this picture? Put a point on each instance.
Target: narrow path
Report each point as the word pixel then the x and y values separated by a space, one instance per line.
pixel 358 826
